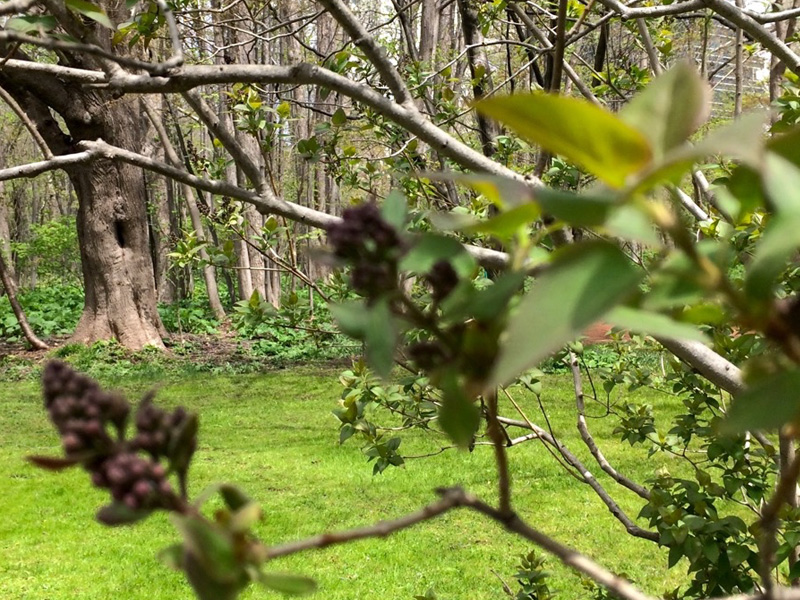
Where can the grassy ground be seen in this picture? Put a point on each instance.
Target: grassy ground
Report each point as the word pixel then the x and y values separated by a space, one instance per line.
pixel 274 435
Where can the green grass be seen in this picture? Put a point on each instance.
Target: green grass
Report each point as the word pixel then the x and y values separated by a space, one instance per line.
pixel 273 434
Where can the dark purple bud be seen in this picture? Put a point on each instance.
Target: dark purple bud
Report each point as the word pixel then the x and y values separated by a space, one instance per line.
pixel 142 488
pixel 72 443
pixel 131 501
pixel 116 475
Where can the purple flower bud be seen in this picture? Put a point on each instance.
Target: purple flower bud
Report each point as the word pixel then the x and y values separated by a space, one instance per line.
pixel 142 488
pixel 72 443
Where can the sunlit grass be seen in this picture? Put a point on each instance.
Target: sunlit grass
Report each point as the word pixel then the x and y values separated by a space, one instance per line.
pixel 274 435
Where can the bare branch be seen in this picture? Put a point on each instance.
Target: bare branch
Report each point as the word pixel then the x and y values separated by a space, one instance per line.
pixel 758 32
pixel 375 53
pixel 587 438
pixel 449 499
pixel 227 138
pixel 26 121
pixel 10 7
pixel 571 558
pixel 586 477
pixel 31 170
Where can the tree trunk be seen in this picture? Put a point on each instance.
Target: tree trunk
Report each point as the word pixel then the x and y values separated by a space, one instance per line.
pixel 112 230
pixel 120 298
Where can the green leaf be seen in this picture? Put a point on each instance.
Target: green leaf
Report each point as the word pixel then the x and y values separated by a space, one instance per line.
pixel 430 248
pixel 119 514
pixel 395 209
pixel 742 139
pixel 584 133
pixel 484 304
pixel 171 556
pixel 339 118
pixel 767 404
pixel 737 554
pixel 671 108
pixel 782 183
pixel 583 210
pixel 630 223
pixel 286 583
pixel 778 243
pixel 210 545
pixel 583 283
pixel 244 518
pixel 32 24
pixel 205 586
pixel 506 224
pixel 91 11
pixel 234 497
pixel 351 317
pixel 651 323
pixel 380 338
pixel 500 191
pixel 459 417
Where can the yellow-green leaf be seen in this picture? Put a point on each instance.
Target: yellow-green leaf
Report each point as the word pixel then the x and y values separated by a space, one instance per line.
pixel 585 134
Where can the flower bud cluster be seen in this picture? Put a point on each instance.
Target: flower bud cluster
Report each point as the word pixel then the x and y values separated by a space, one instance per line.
pixel 81 411
pixel 84 414
pixel 156 428
pixel 443 279
pixel 371 246
pixel 427 355
pixel 137 482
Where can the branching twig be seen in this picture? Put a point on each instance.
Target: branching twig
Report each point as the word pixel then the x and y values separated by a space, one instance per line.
pixel 587 438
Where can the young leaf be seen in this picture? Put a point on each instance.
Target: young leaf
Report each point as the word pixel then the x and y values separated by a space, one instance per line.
pixel 244 518
pixel 506 224
pixel 500 191
pixel 32 24
pixel 782 183
pixel 339 118
pixel 286 583
pixel 351 317
pixel 484 304
pixel 210 545
pixel 582 210
pixel 395 209
pixel 767 404
pixel 430 248
pixel 234 497
pixel 171 556
pixel 583 283
pixel 779 241
pixel 651 323
pixel 91 11
pixel 583 133
pixel 205 585
pixel 459 417
pixel 671 108
pixel 380 338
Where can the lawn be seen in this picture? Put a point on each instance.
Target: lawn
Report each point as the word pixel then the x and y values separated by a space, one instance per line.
pixel 274 435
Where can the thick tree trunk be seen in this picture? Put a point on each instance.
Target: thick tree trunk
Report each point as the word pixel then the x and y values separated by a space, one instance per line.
pixel 112 229
pixel 120 296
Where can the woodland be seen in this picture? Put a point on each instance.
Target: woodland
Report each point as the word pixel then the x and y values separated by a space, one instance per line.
pixel 296 294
